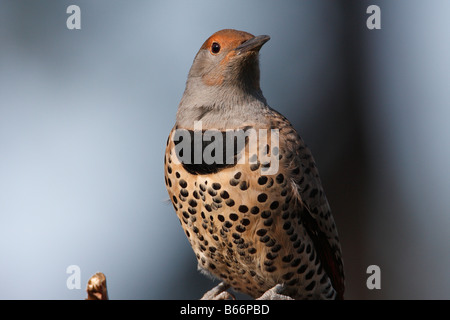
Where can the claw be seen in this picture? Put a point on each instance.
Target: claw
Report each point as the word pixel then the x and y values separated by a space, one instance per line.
pixel 218 293
pixel 274 294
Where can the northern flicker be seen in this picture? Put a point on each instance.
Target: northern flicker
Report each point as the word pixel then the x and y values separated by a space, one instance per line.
pixel 264 228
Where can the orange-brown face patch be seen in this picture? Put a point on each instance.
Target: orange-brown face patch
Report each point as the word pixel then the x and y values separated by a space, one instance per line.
pixel 228 39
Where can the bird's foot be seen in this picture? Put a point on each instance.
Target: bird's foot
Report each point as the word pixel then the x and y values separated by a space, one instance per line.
pixel 275 294
pixel 218 293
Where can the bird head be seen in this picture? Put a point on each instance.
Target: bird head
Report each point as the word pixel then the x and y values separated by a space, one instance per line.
pixel 223 83
pixel 229 57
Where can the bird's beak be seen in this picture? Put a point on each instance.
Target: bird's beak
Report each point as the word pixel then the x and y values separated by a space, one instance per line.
pixel 253 44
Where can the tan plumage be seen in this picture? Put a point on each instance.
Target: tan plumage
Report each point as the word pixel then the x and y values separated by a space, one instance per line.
pixel 251 229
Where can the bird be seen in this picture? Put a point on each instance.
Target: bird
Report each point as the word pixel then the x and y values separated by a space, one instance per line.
pixel 256 217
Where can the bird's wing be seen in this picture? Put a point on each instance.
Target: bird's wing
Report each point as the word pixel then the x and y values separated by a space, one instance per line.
pixel 313 205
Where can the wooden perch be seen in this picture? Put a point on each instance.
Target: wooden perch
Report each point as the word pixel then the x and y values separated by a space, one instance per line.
pixel 96 287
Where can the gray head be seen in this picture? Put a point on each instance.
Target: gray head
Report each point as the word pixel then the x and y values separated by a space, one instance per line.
pixel 223 88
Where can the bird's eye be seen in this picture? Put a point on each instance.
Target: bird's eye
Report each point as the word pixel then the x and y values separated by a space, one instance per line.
pixel 215 47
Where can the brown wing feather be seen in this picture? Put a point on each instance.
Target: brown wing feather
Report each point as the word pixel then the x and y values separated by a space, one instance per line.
pixel 329 254
pixel 313 204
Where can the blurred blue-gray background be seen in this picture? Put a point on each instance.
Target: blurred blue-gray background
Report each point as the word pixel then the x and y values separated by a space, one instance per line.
pixel 85 114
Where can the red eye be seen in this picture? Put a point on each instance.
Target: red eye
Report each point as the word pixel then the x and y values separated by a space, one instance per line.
pixel 215 47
